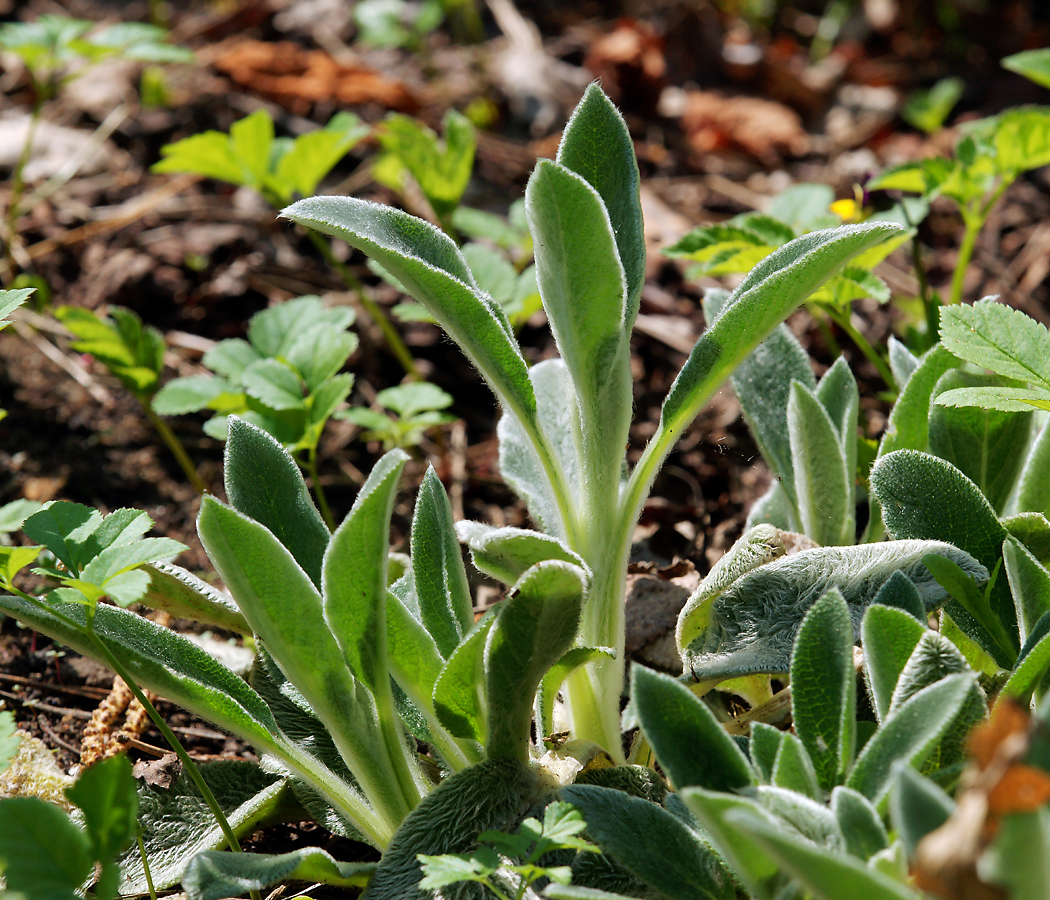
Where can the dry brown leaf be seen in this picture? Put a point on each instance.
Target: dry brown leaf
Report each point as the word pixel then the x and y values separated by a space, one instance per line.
pixel 630 63
pixel 297 78
pixel 762 128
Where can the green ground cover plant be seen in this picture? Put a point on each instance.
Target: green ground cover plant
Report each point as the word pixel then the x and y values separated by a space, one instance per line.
pixel 382 707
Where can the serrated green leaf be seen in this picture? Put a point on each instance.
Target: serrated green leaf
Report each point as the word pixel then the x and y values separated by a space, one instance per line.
pixel 999 338
pixel 909 735
pixel 690 744
pixel 264 482
pixel 354 573
pixel 823 483
pixel 824 690
pixel 314 154
pixel 985 445
pixel 274 384
pixel 533 627
pixel 212 875
pixel 66 530
pixel 801 205
pixel 653 844
pixel 190 394
pixel 10 301
pixel 208 154
pixel 43 855
pixel 14 559
pixel 409 400
pixel 597 146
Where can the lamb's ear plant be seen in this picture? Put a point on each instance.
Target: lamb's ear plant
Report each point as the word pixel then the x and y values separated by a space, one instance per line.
pixel 352 670
pixel 738 244
pixel 786 810
pixel 565 422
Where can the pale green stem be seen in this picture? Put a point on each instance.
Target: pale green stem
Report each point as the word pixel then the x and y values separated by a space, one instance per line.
pixel 374 310
pixel 315 480
pixel 175 446
pixel 14 210
pixel 145 865
pixel 842 319
pixel 974 218
pixel 394 741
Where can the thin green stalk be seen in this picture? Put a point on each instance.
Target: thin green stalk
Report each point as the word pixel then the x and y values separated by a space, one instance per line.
pixel 145 865
pixel 375 312
pixel 973 225
pixel 175 446
pixel 18 184
pixel 315 480
pixel 842 319
pixel 931 305
pixel 176 745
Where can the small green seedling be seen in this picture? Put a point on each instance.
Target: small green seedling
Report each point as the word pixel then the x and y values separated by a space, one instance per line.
pixel 285 378
pixel 43 853
pixel 397 23
pixel 991 155
pixel 279 169
pixel 416 407
pixel 441 167
pixel 929 109
pixel 1032 64
pixel 134 354
pixel 514 857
